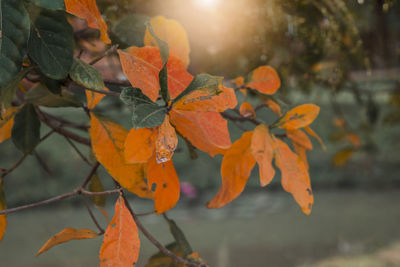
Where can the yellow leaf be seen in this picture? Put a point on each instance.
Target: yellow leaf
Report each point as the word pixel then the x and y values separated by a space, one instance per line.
pixel 166 141
pixel 236 167
pixel 66 235
pixel 139 145
pixel 263 151
pixel 121 242
pixel 343 156
pixel 295 177
pixel 172 32
pixel 164 182
pixel 7 123
pixel 264 79
pixel 94 98
pixel 87 9
pixel 299 117
pixel 207 131
pixel 108 139
pixel 202 100
pixel 247 110
pixel 3 206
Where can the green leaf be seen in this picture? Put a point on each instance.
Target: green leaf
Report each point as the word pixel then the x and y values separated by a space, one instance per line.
pixel 179 238
pixel 86 75
pixel 132 96
pixel 8 92
pixel 50 4
pixel 26 129
pixel 164 53
pixel 40 95
pixel 51 43
pixel 131 28
pixel 202 82
pixel 14 29
pixel 148 116
pixel 95 185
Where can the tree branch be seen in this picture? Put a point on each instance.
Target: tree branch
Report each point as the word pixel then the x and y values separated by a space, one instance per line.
pixel 92 215
pixel 111 50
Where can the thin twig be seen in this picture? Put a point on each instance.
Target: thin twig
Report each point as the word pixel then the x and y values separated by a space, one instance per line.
pixel 111 50
pixel 150 237
pixel 77 150
pixel 108 192
pixel 92 215
pixel 92 172
pixel 66 123
pixel 42 163
pixel 104 92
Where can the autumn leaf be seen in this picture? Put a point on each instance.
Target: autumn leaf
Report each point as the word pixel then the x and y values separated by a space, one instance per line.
pixel 172 32
pixel 166 141
pixel 87 9
pixel 262 149
pixel 236 167
pixel 264 79
pixel 164 183
pixel 315 135
pixel 6 123
pixel 139 145
pixel 142 66
pixel 160 259
pixel 300 138
pixel 94 98
pixel 239 81
pixel 274 107
pixel 3 206
pixel 299 117
pixel 207 131
pixel 66 235
pixel 108 139
pixel 354 139
pixel 343 156
pixel 121 242
pixel 295 177
pixel 247 110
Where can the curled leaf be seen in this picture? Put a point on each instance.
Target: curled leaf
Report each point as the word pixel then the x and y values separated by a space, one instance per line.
pixel 166 141
pixel 121 242
pixel 264 79
pixel 315 135
pixel 164 182
pixel 247 110
pixel 299 117
pixel 262 149
pixel 274 107
pixel 87 9
pixel 235 171
pixel 66 235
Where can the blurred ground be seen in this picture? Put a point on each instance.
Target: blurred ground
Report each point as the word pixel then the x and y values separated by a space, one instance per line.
pixel 346 228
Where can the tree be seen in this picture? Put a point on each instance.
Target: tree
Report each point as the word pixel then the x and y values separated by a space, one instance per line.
pixel 42 65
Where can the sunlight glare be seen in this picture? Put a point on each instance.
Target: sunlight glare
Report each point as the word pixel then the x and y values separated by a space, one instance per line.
pixel 206 3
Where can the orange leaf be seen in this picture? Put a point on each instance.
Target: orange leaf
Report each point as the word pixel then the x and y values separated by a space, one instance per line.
pixel 121 242
pixel 172 32
pixel 108 139
pixel 164 182
pixel 66 235
pixel 139 145
pixel 315 135
pixel 166 141
pixel 87 9
pixel 142 65
pixel 274 107
pixel 3 206
pixel 302 152
pixel 202 100
pixel 94 98
pixel 207 131
pixel 235 171
pixel 7 123
pixel 354 139
pixel 300 138
pixel 264 79
pixel 263 151
pixel 295 177
pixel 239 81
pixel 247 110
pixel 299 117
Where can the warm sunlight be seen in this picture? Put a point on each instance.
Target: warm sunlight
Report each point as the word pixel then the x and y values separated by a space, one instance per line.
pixel 206 3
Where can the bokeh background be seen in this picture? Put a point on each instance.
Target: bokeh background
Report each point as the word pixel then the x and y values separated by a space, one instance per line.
pixel 341 55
